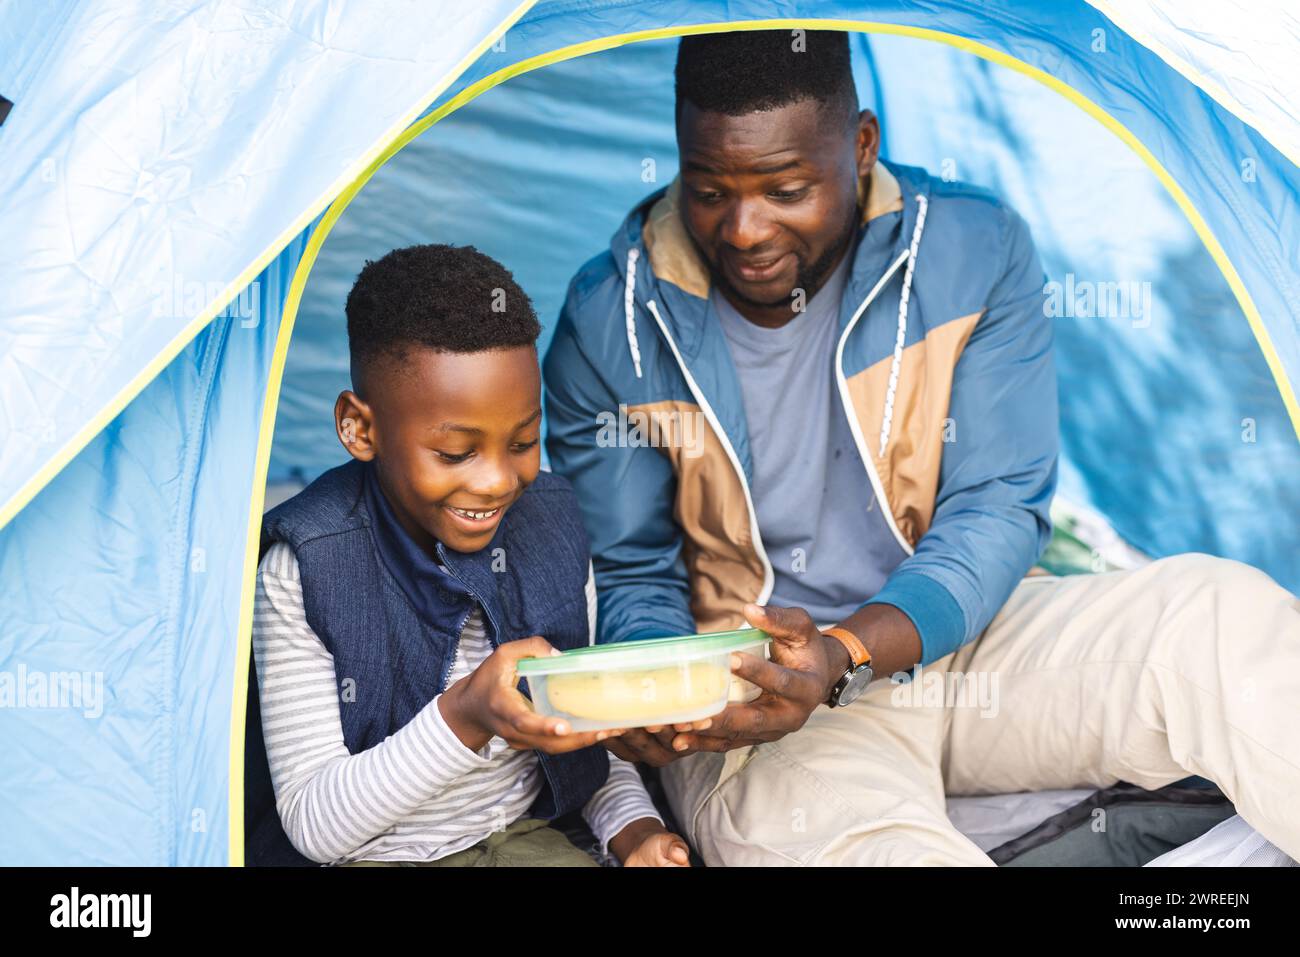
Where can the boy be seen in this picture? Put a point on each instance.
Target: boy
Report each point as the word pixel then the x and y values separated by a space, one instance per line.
pixel 399 590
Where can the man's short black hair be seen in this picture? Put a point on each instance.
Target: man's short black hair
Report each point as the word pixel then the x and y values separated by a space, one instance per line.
pixel 446 298
pixel 749 71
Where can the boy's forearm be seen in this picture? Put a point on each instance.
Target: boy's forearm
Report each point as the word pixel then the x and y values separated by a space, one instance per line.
pixel 620 803
pixel 454 707
pixel 342 804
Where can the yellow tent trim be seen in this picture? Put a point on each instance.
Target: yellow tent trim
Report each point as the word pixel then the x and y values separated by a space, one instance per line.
pixel 376 156
pixel 480 87
pixel 1212 88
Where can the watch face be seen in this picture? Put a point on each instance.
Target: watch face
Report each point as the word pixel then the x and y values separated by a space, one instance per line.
pixel 857 684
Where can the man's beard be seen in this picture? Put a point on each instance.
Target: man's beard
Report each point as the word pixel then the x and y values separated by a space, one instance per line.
pixel 810 277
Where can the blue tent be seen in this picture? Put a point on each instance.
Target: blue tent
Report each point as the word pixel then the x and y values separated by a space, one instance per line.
pixel 183 186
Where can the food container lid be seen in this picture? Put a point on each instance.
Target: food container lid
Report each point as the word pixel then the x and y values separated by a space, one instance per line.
pixel 628 655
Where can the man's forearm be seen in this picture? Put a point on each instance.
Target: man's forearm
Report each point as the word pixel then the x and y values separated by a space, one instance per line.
pixel 888 635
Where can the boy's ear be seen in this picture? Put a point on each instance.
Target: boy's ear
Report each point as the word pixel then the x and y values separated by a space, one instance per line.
pixel 353 421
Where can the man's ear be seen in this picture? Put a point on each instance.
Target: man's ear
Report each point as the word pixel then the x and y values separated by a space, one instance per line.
pixel 353 420
pixel 868 143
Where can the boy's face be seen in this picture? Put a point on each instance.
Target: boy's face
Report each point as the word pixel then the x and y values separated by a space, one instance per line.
pixel 454 437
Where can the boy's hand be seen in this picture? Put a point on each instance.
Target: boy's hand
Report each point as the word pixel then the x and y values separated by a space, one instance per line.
pixel 647 843
pixel 486 703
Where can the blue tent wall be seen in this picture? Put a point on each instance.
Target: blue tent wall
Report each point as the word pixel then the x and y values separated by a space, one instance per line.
pixel 130 563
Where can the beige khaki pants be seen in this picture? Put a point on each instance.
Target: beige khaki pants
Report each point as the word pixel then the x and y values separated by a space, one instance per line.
pixel 1190 665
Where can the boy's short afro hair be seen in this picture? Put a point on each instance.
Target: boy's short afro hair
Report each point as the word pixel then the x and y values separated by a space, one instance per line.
pixel 447 298
pixel 749 71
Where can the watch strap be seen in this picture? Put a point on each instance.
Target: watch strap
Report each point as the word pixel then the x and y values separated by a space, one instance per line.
pixel 858 653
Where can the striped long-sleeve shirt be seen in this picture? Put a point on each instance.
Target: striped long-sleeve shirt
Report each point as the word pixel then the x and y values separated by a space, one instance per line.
pixel 419 795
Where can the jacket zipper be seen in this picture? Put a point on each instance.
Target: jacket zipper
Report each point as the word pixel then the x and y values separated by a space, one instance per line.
pixel 711 417
pixel 846 400
pixel 863 452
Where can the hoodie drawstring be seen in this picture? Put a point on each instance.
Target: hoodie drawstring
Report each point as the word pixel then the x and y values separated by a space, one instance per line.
pixel 629 309
pixel 887 417
pixel 895 367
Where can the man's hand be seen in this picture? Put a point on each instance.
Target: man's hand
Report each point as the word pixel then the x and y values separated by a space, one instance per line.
pixel 654 745
pixel 486 703
pixel 804 668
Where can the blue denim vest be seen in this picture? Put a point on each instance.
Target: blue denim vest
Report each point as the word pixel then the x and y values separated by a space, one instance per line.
pixel 392 619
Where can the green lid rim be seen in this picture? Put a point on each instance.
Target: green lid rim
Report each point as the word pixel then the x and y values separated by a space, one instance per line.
pixel 588 658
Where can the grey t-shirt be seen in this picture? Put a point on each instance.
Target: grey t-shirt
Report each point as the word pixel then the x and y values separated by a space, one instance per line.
pixel 821 525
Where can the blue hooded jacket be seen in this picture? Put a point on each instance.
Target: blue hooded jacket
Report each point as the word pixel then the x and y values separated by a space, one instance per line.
pixel 949 389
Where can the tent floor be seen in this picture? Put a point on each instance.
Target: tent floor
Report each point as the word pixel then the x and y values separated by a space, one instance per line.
pixel 991 821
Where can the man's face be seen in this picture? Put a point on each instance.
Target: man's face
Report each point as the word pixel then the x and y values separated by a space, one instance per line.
pixel 770 199
pixel 455 439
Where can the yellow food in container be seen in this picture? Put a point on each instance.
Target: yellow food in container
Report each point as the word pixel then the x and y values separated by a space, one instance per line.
pixel 639 683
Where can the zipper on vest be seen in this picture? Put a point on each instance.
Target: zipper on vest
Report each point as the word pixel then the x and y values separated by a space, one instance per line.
pixel 493 632
pixel 711 417
pixel 847 401
pixel 494 639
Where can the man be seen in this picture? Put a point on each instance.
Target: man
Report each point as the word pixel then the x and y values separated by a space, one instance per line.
pixel 865 353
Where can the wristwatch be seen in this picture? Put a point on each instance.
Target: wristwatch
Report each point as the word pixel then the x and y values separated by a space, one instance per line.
pixel 854 681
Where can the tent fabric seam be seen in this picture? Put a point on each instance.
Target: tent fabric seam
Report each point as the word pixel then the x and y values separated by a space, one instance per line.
pixel 182 525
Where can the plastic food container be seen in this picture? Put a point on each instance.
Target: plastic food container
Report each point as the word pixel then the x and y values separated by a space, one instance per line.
pixel 639 683
pixel 741 689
